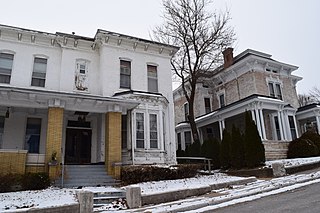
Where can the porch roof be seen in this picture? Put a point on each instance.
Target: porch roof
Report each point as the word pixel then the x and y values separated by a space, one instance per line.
pixel 41 98
pixel 248 103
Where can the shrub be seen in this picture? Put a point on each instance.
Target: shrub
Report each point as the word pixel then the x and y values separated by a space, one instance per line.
pixel 211 149
pixel 300 148
pixel 9 182
pixel 254 149
pixel 314 137
pixel 225 150
pixel 35 181
pixel 237 159
pixel 138 174
pixel 193 150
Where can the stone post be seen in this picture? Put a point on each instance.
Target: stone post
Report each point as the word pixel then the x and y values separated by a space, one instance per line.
pixel 85 199
pixel 278 170
pixel 133 196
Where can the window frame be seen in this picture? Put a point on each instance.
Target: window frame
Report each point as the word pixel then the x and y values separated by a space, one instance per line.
pixel 7 72
pixel 41 80
pixel 275 90
pixel 186 111
pixel 207 109
pixel 32 134
pixel 152 78
pixel 123 74
pixel 79 74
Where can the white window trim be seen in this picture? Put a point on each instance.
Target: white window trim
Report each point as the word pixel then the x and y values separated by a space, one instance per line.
pixel 274 82
pixel 81 61
pixel 219 93
pixel 160 127
pixel 43 57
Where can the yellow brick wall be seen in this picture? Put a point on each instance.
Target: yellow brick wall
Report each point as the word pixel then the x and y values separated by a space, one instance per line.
pixel 113 143
pixel 35 169
pixel 12 162
pixel 54 133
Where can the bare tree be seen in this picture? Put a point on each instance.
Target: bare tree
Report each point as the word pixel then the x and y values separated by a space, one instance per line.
pixel 201 36
pixel 315 94
pixel 304 100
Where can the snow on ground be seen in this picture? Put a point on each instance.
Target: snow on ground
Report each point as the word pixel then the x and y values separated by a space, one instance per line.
pixel 36 199
pixel 156 187
pixel 50 197
pixel 294 162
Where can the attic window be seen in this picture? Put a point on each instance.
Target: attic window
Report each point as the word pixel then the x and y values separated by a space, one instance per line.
pixel 268 70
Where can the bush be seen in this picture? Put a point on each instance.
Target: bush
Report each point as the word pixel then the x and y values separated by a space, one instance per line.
pixel 138 174
pixel 237 159
pixel 301 148
pixel 35 181
pixel 211 149
pixel 254 149
pixel 314 137
pixel 9 182
pixel 225 150
pixel 193 150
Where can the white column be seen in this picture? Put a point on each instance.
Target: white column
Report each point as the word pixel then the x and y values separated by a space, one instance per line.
pixel 221 127
pixel 280 126
pixel 295 125
pixel 318 124
pixel 284 126
pixel 258 123
pixel 262 125
pixel 253 116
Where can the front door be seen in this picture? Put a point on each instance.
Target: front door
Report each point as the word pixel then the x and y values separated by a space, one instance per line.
pixel 78 146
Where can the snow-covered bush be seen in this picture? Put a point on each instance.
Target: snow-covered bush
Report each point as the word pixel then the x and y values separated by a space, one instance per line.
pixel 300 148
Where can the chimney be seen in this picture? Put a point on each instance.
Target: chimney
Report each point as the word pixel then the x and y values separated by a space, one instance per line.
pixel 228 57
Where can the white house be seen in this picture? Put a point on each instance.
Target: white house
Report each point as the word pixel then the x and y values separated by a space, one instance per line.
pixel 81 100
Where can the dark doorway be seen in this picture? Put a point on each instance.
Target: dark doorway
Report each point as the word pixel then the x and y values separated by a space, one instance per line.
pixel 78 146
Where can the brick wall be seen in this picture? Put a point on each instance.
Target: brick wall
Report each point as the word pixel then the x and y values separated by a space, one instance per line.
pixel 35 169
pixel 54 133
pixel 113 143
pixel 12 162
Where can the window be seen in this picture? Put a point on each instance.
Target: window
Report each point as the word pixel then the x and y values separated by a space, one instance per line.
pixel 210 134
pixel 125 74
pixel 221 100
pixel 6 61
pixel 292 127
pixel 81 75
pixel 124 131
pixel 140 130
pixel 186 111
pixel 33 135
pixel 207 105
pixel 153 131
pixel 152 78
pixel 1 130
pixel 39 72
pixel 275 90
pixel 187 138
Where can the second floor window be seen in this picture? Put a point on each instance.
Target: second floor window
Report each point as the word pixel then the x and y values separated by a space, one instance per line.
pixel 81 75
pixel 125 74
pixel 39 72
pixel 186 111
pixel 275 90
pixel 207 105
pixel 221 100
pixel 6 61
pixel 152 78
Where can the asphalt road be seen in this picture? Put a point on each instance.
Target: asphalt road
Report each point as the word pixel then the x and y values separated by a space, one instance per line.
pixel 301 200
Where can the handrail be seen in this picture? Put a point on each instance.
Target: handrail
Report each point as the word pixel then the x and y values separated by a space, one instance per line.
pixel 198 158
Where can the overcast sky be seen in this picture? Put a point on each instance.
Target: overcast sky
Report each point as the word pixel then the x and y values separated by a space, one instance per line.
pixel 289 30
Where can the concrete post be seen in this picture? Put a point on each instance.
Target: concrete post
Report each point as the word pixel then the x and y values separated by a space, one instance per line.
pixel 278 170
pixel 86 201
pixel 133 196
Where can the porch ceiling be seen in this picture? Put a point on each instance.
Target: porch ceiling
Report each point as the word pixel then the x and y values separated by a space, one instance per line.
pixel 32 98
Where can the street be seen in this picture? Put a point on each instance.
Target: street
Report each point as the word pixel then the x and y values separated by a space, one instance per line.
pixel 304 199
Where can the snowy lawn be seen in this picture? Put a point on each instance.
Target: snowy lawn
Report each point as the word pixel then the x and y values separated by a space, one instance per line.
pixel 50 197
pixel 156 187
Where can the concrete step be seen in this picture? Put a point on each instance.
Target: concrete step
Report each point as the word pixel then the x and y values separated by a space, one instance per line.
pixel 104 198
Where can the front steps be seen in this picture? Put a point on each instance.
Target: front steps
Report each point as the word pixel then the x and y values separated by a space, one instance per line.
pixel 275 150
pixel 85 175
pixel 101 199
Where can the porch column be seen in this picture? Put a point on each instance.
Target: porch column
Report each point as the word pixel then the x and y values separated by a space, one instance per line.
pixel 263 125
pixel 221 127
pixel 284 126
pixel 113 143
pixel 253 116
pixel 258 123
pixel 318 124
pixel 280 126
pixel 54 138
pixel 295 126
